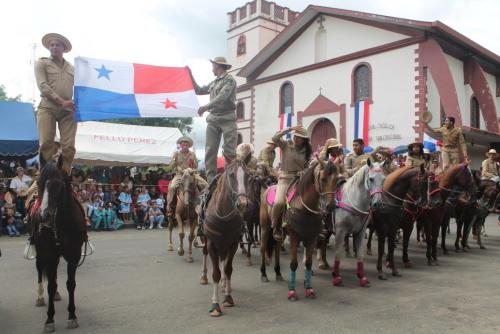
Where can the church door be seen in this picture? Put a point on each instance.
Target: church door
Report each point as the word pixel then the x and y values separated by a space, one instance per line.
pixel 323 129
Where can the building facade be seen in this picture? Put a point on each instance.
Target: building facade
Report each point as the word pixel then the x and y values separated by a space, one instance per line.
pixel 317 66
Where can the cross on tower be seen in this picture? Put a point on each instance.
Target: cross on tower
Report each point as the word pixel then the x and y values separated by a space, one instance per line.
pixel 320 89
pixel 320 20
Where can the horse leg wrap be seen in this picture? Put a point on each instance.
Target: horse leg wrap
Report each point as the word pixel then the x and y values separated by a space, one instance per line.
pixel 336 278
pixel 363 281
pixel 292 280
pixel 336 268
pixel 308 279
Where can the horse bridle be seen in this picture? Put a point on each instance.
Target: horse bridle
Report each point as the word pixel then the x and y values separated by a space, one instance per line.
pixel 235 196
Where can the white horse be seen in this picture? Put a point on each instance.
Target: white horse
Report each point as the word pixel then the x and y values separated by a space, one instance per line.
pixel 354 200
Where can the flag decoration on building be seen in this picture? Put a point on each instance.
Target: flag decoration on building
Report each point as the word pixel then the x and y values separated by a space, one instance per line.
pixel 286 120
pixel 361 120
pixel 432 144
pixel 107 89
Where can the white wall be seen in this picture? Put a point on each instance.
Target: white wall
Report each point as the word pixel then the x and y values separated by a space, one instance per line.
pixel 343 37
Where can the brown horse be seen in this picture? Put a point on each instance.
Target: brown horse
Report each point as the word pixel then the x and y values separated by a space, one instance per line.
pixel 222 229
pixel 304 223
pixel 185 212
pixel 58 230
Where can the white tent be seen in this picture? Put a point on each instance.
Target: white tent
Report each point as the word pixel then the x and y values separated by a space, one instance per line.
pixel 113 144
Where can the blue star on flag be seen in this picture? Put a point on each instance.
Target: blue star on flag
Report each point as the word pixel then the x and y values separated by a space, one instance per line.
pixel 103 72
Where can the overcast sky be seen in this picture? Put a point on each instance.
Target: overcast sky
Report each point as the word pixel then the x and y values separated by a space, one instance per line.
pixel 187 32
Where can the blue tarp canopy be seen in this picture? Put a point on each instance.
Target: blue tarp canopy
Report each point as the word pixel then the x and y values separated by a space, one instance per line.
pixel 18 132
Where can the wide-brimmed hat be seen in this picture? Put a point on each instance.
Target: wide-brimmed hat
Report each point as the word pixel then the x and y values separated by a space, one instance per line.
pixel 270 142
pixel 382 151
pixel 332 143
pixel 410 147
pixel 185 138
pixel 20 169
pixel 243 150
pixel 300 132
pixel 492 152
pixel 221 61
pixel 50 36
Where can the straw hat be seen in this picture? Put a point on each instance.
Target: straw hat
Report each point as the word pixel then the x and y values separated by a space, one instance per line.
pixel 332 143
pixel 493 152
pixel 410 147
pixel 382 152
pixel 426 117
pixel 221 61
pixel 300 131
pixel 50 36
pixel 270 142
pixel 243 150
pixel 186 139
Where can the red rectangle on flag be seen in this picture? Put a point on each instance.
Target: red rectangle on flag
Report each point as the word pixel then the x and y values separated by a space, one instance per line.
pixel 150 79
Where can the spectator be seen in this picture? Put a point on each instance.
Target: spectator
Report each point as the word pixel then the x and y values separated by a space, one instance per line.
pixel 107 195
pixel 111 221
pixel 10 219
pixel 20 185
pixel 160 202
pixel 163 183
pixel 98 216
pixel 155 216
pixel 142 207
pixel 125 201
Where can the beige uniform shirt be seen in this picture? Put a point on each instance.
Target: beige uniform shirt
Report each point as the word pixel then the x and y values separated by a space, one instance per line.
pixel 267 156
pixel 53 81
pixel 338 162
pixel 453 139
pixel 353 162
pixel 222 94
pixel 489 169
pixel 414 161
pixel 182 161
pixel 292 160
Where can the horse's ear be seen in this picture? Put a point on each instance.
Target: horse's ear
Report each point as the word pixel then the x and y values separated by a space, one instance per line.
pixel 369 162
pixel 321 163
pixel 60 161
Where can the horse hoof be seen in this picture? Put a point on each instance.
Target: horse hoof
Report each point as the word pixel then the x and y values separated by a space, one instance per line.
pixel 387 264
pixel 228 301
pixel 337 280
pixel 180 252
pixel 203 280
pixel 381 276
pixel 248 262
pixel 324 266
pixel 73 323
pixel 292 296
pixel 364 282
pixel 279 278
pixel 264 279
pixel 190 259
pixel 309 293
pixel 482 247
pixel 57 296
pixel 348 254
pixel 49 328
pixel 396 274
pixel 408 265
pixel 40 301
pixel 215 311
pixel 445 252
pixel 436 263
pixel 170 248
pixel 369 252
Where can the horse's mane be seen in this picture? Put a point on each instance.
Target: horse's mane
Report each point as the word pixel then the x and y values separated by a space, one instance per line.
pixel 306 179
pixel 394 176
pixel 356 178
pixel 448 175
pixel 49 171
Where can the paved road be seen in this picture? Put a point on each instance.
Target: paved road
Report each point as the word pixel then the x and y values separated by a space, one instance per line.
pixel 133 285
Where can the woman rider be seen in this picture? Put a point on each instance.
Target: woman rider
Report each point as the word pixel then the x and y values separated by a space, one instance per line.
pixel 415 156
pixel 295 156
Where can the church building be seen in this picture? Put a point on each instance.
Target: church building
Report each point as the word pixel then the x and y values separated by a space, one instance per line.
pixel 349 74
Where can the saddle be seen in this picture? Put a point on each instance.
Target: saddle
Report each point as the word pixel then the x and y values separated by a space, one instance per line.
pixel 271 194
pixel 205 197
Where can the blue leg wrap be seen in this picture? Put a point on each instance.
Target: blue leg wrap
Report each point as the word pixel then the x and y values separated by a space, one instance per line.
pixel 292 280
pixel 308 278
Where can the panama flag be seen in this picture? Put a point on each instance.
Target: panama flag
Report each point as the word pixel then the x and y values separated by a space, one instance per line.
pixel 361 120
pixel 286 118
pixel 432 144
pixel 110 89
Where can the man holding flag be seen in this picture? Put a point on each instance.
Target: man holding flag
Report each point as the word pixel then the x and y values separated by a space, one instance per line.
pixel 222 118
pixel 54 77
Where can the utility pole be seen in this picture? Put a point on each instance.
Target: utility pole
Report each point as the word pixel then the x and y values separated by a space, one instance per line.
pixel 33 61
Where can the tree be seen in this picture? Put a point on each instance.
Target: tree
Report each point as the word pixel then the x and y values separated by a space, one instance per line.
pixel 4 97
pixel 183 124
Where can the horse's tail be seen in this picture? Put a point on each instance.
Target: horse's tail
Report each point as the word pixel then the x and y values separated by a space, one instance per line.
pixel 271 243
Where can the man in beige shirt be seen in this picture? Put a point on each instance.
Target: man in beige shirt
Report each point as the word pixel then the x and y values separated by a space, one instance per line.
pixel 266 159
pixel 489 167
pixel 453 141
pixel 55 79
pixel 357 158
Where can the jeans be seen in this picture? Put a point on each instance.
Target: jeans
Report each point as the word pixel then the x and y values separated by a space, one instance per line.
pixel 11 228
pixel 156 219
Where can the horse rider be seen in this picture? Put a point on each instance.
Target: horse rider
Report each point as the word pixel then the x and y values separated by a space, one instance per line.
pixel 222 118
pixel 453 142
pixel 435 168
pixel 332 150
pixel 54 77
pixel 295 156
pixel 415 156
pixel 266 159
pixel 244 152
pixel 181 160
pixel 357 158
pixel 489 167
pixel 382 154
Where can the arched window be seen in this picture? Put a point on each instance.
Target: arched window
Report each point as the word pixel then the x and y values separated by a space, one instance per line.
pixel 474 113
pixel 362 83
pixel 320 44
pixel 240 111
pixel 242 45
pixel 286 98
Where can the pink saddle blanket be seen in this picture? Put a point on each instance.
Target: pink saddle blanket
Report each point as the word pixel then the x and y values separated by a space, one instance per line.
pixel 271 195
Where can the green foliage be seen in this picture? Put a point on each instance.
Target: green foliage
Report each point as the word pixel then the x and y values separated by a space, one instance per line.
pixel 4 97
pixel 183 124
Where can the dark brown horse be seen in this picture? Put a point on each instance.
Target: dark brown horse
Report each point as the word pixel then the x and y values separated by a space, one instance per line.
pixel 222 229
pixel 185 212
pixel 303 220
pixel 58 230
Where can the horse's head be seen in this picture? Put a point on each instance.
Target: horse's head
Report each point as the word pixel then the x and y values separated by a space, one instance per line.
pixel 326 175
pixel 459 178
pixel 374 181
pixel 52 187
pixel 433 192
pixel 237 175
pixel 420 183
pixel 187 186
